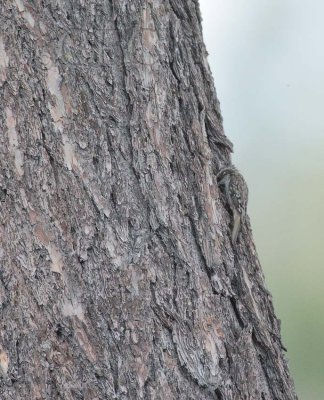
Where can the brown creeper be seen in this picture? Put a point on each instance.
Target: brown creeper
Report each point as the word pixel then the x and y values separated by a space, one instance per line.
pixel 236 193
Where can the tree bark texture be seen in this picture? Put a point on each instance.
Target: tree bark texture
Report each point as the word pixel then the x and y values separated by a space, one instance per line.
pixel 118 277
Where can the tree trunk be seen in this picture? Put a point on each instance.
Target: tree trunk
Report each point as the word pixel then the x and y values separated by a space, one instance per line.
pixel 119 279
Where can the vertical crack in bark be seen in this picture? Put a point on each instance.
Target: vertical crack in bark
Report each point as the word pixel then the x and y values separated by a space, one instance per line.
pixel 130 110
pixel 236 312
pixel 200 251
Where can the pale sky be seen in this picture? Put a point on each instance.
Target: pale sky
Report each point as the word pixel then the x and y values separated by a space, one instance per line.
pixel 267 60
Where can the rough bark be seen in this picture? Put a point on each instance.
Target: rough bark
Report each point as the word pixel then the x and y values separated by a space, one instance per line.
pixel 118 277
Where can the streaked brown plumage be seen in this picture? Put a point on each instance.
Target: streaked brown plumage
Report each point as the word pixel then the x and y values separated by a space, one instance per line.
pixel 236 193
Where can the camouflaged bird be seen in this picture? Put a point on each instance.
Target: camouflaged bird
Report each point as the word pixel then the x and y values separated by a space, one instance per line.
pixel 236 193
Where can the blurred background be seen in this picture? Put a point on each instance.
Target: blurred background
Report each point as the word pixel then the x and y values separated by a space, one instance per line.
pixel 267 60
